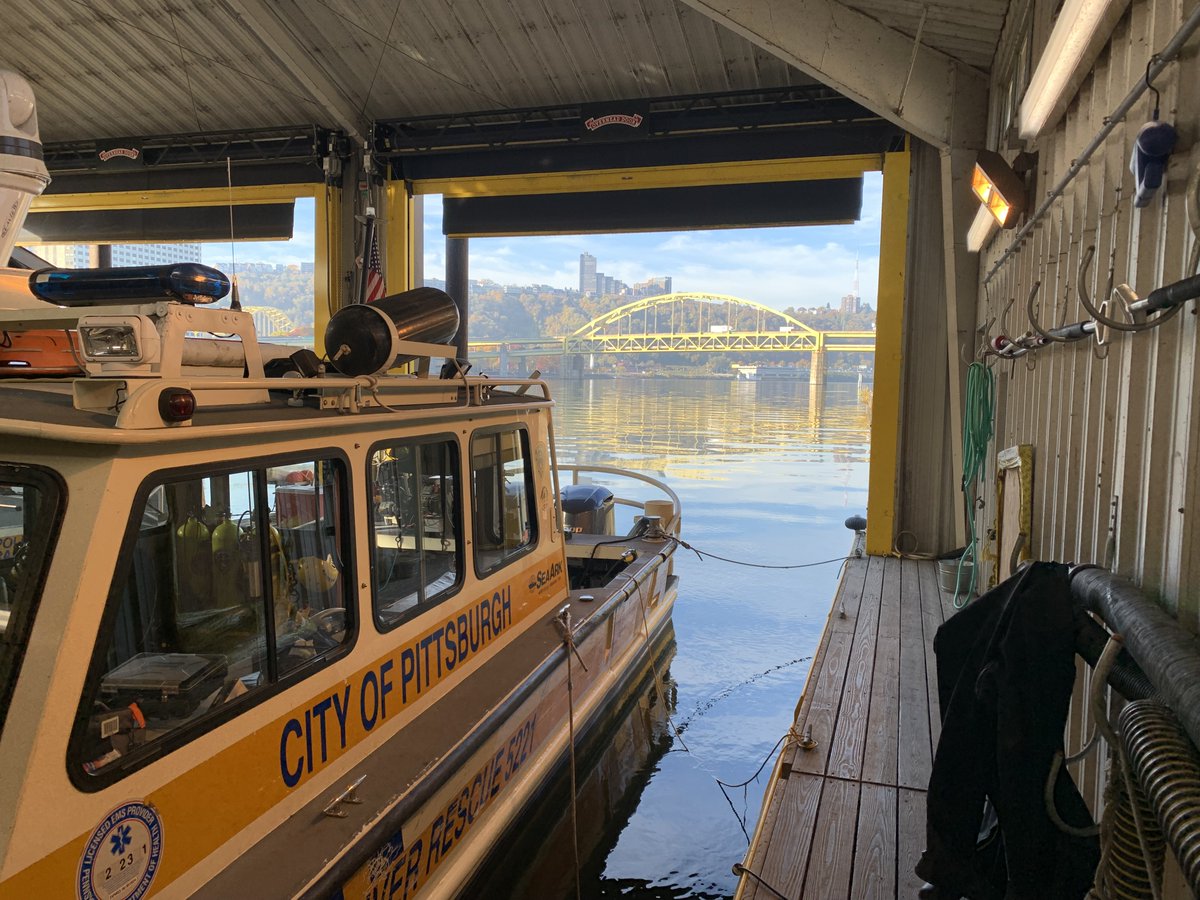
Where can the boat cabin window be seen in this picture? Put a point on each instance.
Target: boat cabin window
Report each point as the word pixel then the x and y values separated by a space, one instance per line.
pixel 416 527
pixel 502 487
pixel 30 509
pixel 228 584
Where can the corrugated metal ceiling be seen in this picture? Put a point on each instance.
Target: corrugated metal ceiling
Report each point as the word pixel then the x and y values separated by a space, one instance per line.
pixel 967 31
pixel 133 67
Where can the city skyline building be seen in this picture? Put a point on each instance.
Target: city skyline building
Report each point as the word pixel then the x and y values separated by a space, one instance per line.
pixel 587 273
pixel 84 256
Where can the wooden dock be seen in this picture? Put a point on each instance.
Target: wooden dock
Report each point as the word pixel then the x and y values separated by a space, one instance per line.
pixel 847 817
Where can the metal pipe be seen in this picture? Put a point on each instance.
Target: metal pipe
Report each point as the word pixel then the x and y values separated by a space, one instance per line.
pixel 459 287
pixel 912 63
pixel 1157 64
pixel 1166 653
pixel 360 295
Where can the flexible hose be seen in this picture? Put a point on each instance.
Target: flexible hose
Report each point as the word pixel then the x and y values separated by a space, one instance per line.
pixel 1126 874
pixel 1167 767
pixel 977 434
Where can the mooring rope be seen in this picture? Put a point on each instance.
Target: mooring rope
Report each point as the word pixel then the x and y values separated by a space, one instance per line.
pixel 677 732
pixel 739 562
pixel 739 869
pixel 564 624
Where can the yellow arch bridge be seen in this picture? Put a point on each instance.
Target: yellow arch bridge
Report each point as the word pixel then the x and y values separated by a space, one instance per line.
pixel 687 323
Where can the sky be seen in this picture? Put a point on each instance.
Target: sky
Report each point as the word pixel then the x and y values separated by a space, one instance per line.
pixel 779 267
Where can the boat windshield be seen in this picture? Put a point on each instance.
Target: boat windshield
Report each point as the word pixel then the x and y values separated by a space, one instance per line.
pixel 30 510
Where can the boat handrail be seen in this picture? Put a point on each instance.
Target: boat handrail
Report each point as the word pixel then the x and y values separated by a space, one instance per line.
pixel 576 470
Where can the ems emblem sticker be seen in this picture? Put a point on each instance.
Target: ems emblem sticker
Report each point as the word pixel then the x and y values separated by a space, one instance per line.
pixel 122 855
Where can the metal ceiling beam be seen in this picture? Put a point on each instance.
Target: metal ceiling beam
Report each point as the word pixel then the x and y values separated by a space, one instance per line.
pixel 934 97
pixel 299 143
pixel 265 23
pixel 740 111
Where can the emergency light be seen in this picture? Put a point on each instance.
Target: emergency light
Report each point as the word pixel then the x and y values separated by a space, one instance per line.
pixel 186 282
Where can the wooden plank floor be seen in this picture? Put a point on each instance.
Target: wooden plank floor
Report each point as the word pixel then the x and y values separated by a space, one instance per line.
pixel 846 819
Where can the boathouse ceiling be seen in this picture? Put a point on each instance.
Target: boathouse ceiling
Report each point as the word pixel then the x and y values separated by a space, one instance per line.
pixel 105 70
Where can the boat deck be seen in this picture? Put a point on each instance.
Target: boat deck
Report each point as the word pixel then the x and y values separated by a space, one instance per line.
pixel 847 817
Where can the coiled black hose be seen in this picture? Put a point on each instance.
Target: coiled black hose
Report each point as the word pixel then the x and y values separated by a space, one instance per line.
pixel 1167 767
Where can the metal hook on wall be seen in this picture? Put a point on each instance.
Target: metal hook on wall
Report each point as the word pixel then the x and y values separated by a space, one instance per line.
pixel 1033 318
pixel 1150 86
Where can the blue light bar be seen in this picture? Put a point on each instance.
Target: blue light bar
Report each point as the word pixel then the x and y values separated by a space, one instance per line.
pixel 188 282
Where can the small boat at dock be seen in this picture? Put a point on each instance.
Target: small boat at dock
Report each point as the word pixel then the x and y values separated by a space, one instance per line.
pixel 278 626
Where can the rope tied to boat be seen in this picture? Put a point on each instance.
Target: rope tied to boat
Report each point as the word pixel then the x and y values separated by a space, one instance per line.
pixel 702 554
pixel 562 622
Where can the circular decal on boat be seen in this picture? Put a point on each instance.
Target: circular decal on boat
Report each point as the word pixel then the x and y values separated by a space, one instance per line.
pixel 122 855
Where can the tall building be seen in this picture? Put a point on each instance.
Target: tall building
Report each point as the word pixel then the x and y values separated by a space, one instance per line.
pixel 82 256
pixel 154 254
pixel 68 256
pixel 652 287
pixel 587 273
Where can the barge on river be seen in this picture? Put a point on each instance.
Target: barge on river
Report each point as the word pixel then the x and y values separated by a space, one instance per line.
pixel 270 630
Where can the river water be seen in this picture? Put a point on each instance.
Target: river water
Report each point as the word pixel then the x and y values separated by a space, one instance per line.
pixel 766 474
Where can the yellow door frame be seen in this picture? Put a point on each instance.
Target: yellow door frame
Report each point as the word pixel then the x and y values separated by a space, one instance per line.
pixel 398 218
pixel 889 323
pixel 327 224
pixel 893 241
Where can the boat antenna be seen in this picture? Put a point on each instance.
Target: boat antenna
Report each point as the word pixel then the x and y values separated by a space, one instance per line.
pixel 235 301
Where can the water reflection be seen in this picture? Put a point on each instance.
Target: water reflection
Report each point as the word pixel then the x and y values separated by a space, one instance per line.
pixel 766 476
pixel 613 765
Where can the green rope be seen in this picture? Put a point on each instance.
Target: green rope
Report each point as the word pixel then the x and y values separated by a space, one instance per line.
pixel 977 434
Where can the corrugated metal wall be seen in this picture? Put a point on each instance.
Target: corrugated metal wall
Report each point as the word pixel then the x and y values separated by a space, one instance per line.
pixel 1116 445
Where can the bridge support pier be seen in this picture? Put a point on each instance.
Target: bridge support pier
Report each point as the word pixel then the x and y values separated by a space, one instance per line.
pixel 816 366
pixel 816 379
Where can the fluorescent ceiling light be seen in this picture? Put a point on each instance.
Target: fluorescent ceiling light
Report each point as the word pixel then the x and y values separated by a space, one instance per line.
pixel 980 230
pixel 1082 29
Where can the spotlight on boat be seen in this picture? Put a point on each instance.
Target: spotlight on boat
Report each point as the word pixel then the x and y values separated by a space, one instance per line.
pixel 368 338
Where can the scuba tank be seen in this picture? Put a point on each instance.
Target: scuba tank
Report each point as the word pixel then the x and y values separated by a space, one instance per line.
pixel 226 564
pixel 194 562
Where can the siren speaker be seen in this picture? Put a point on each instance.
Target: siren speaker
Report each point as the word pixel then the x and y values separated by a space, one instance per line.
pixel 364 339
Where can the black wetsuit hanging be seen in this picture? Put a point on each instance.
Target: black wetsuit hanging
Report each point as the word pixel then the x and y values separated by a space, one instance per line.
pixel 1006 668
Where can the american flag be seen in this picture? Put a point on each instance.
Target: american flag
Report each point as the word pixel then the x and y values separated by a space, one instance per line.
pixel 375 288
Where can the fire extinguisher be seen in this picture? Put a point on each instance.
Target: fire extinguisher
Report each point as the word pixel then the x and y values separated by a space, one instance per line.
pixel 226 564
pixel 194 549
